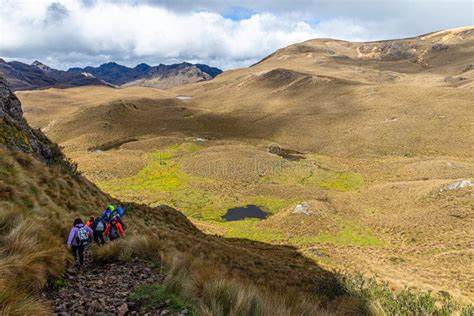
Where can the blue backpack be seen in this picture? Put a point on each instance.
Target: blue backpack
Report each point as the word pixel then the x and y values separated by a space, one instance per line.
pixel 120 211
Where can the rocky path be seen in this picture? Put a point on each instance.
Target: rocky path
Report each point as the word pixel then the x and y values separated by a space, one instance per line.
pixel 102 290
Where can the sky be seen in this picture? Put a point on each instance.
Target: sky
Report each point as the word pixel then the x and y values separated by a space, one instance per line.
pixel 223 33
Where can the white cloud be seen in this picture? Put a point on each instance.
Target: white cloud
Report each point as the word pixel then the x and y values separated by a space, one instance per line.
pixel 72 32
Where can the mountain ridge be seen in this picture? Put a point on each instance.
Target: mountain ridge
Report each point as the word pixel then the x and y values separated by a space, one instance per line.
pixel 22 76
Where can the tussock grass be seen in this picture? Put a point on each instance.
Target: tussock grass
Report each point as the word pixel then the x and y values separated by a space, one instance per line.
pixel 34 221
pixel 29 256
pixel 20 303
pixel 124 249
pixel 209 292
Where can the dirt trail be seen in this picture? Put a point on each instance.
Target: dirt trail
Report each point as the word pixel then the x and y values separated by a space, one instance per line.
pixel 102 289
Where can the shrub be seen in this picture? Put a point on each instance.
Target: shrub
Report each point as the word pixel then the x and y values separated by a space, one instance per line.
pixel 405 302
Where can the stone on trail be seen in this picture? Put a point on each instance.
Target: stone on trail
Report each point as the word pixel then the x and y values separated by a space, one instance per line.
pixel 123 309
pixel 109 294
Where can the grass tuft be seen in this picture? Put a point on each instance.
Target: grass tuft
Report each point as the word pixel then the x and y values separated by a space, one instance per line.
pixel 150 297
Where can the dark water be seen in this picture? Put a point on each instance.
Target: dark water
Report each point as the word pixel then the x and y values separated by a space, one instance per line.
pixel 249 211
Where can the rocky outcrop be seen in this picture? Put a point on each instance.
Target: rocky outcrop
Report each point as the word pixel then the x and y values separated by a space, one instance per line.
pixel 16 134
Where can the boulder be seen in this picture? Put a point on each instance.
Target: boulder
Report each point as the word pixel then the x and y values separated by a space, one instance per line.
pixel 460 185
pixel 302 208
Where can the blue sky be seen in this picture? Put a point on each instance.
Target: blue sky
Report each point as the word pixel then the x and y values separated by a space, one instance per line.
pixel 238 13
pixel 223 33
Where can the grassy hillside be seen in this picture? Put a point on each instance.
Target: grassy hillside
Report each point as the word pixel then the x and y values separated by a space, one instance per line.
pixel 39 203
pixel 40 200
pixel 378 132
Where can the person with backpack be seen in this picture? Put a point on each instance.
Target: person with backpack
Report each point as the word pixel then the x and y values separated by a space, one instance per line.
pixel 98 227
pixel 90 221
pixel 79 237
pixel 108 214
pixel 114 230
pixel 118 219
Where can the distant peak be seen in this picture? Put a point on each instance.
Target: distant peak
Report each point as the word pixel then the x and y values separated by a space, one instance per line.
pixel 109 64
pixel 40 65
pixel 142 67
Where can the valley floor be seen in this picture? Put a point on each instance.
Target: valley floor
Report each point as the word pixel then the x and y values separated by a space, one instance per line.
pixel 371 168
pixel 390 217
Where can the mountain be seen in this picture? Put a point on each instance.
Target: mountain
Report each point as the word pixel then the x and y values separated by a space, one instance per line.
pixel 42 193
pixel 37 75
pixel 348 98
pixel 110 72
pixel 370 138
pixel 164 77
pixel 161 76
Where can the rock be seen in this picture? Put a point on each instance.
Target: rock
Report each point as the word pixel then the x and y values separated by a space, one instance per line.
pixel 34 142
pixel 439 47
pixel 105 295
pixel 123 309
pixel 468 68
pixel 460 185
pixel 302 208
pixel 318 252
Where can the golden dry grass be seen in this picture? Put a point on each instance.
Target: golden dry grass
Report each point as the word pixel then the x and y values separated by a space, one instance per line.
pixel 36 209
pixel 400 124
pixel 39 204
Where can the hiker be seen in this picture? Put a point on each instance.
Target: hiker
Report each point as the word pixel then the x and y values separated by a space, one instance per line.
pixel 79 237
pixel 114 230
pixel 118 219
pixel 90 221
pixel 108 214
pixel 98 227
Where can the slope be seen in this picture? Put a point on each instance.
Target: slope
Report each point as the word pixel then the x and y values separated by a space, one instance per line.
pixel 40 199
pixel 380 138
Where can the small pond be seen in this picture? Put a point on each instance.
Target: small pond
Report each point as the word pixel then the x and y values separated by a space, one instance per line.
pixel 183 97
pixel 249 211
